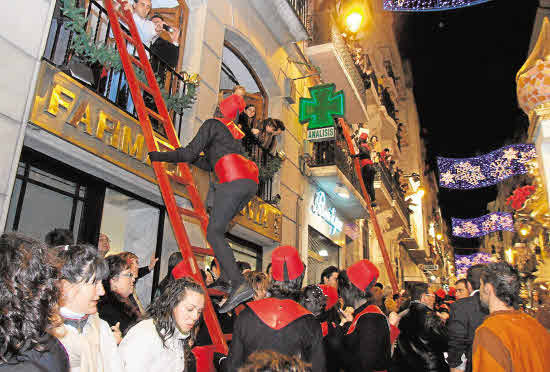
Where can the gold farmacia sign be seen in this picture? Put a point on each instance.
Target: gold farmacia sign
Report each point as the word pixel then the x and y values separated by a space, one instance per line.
pixel 69 110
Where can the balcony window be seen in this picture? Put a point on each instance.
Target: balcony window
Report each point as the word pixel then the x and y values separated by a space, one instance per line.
pixel 236 70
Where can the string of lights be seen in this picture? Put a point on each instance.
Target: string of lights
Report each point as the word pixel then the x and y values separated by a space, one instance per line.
pixel 428 5
pixel 484 170
pixel 483 225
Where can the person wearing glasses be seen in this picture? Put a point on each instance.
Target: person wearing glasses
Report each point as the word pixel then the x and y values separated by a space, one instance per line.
pixel 423 335
pixel 115 306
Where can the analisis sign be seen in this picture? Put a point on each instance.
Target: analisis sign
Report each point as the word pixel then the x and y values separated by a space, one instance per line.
pixel 320 134
pixel 320 208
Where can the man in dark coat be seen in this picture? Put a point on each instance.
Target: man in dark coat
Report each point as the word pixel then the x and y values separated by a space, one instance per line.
pixel 220 140
pixel 466 315
pixel 423 337
pixel 278 323
pixel 362 340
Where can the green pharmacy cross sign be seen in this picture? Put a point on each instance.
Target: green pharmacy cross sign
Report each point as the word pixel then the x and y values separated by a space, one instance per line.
pixel 322 107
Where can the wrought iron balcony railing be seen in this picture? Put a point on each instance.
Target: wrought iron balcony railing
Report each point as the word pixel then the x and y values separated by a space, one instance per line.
pixel 301 7
pixel 107 83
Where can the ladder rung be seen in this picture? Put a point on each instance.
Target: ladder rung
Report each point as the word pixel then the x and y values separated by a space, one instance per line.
pixel 203 251
pixel 190 213
pixel 130 39
pixel 178 179
pixel 156 115
pixel 215 292
pixel 136 62
pixel 145 87
pixel 122 16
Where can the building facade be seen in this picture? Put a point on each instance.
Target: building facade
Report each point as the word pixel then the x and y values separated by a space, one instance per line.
pixel 73 157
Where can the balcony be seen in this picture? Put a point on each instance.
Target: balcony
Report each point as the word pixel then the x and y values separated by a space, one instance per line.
pixel 331 166
pixel 287 19
pixel 111 85
pixel 107 83
pixel 328 50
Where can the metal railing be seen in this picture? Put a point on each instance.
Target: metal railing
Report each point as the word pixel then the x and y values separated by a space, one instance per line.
pixel 301 8
pixel 392 185
pixel 111 85
pixel 335 152
pixel 262 157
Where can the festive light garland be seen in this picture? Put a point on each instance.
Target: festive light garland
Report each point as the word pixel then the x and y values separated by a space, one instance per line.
pixel 464 262
pixel 484 170
pixel 479 226
pixel 428 5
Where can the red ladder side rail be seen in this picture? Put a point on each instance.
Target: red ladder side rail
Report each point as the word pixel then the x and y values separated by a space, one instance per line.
pixel 136 88
pixel 374 220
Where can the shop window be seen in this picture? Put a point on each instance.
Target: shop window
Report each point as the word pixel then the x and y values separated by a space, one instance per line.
pixel 42 201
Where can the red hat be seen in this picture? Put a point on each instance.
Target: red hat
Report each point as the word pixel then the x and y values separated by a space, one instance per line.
pixel 440 293
pixel 286 264
pixel 230 107
pixel 452 291
pixel 331 293
pixel 364 136
pixel 363 274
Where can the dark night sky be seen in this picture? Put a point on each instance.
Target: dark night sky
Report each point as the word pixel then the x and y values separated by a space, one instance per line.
pixel 464 65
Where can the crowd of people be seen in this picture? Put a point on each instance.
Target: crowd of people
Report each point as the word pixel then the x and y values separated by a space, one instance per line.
pixel 67 307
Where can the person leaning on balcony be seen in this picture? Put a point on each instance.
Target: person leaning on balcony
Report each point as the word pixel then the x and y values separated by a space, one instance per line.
pixel 268 136
pixel 367 166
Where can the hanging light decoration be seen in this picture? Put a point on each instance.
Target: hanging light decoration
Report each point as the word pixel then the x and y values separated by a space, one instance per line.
pixel 428 5
pixel 479 226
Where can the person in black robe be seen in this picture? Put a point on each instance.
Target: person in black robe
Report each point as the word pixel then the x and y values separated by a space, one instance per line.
pixel 361 342
pixel 368 172
pixel 220 140
pixel 277 323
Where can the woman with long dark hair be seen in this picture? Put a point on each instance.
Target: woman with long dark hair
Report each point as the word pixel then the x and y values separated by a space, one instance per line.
pixel 89 340
pixel 115 305
pixel 29 301
pixel 163 341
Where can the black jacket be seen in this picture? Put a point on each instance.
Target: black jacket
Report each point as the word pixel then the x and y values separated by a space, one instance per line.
pixel 112 310
pixel 54 359
pixel 302 337
pixel 366 349
pixel 421 343
pixel 466 315
pixel 213 137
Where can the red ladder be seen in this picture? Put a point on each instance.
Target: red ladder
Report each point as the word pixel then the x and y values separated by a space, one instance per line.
pixel 374 220
pixel 137 88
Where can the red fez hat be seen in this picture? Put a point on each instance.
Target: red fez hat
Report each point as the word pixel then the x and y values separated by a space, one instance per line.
pixel 440 293
pixel 452 291
pixel 331 293
pixel 286 264
pixel 230 107
pixel 363 274
pixel 364 136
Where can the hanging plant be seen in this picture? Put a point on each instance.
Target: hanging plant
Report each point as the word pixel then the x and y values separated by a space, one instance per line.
pixel 107 56
pixel 271 167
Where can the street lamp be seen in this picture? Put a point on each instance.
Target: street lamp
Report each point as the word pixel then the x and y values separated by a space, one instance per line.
pixel 353 21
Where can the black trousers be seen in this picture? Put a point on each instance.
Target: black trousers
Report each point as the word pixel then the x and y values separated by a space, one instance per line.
pixel 368 172
pixel 229 199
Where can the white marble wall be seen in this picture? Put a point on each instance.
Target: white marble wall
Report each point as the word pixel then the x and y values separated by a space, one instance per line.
pixel 23 31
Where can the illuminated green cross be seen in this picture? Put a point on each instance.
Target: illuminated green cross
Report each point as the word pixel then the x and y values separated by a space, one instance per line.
pixel 320 109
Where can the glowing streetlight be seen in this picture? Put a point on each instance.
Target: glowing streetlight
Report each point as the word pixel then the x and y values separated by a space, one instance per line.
pixel 354 21
pixel 439 236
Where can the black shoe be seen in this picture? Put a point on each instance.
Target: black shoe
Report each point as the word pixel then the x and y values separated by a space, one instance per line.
pixel 242 293
pixel 221 285
pixel 373 204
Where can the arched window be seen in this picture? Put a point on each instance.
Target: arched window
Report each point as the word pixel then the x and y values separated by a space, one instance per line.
pixel 237 71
